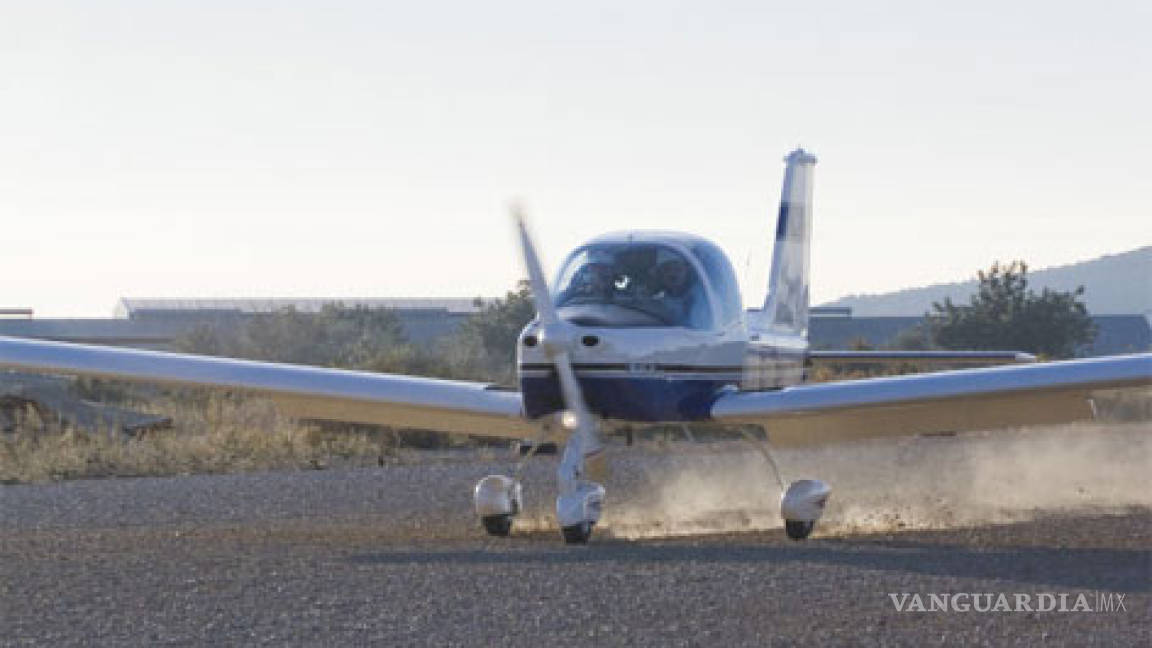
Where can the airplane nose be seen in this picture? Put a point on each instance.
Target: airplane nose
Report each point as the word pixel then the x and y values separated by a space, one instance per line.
pixel 554 338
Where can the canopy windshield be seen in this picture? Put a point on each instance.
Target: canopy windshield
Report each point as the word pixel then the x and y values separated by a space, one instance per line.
pixel 631 285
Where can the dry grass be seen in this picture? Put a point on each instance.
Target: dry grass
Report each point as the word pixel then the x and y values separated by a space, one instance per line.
pixel 217 434
pixel 208 436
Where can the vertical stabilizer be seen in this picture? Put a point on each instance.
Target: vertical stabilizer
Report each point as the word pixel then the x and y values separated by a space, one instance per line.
pixel 786 306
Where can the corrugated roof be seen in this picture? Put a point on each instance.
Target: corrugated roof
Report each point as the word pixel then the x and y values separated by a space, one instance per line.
pixel 127 307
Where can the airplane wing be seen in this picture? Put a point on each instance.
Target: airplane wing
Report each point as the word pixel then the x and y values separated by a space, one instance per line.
pixel 949 401
pixel 305 392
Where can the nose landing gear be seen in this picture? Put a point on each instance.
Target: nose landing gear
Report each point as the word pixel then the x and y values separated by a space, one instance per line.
pixel 577 533
pixel 578 510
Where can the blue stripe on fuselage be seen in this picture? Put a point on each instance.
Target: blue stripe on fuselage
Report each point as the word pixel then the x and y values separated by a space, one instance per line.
pixel 650 398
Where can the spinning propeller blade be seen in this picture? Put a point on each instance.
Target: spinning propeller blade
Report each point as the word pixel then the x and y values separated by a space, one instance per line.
pixel 556 338
pixel 540 294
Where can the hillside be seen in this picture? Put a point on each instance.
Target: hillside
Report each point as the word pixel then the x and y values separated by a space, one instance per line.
pixel 1116 284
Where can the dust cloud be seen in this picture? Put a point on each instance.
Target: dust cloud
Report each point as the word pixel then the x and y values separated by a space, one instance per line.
pixel 889 485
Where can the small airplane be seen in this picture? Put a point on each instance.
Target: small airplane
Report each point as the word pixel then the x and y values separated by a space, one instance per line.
pixel 648 327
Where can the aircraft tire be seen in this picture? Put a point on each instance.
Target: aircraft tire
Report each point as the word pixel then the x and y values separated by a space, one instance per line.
pixel 798 529
pixel 497 525
pixel 577 533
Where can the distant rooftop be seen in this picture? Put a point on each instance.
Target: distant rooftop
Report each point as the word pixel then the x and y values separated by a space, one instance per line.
pixel 830 311
pixel 16 312
pixel 129 308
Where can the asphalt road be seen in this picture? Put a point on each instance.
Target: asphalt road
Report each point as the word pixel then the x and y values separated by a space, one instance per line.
pixel 392 556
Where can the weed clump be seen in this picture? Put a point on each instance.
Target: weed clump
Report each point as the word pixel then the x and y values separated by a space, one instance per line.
pixel 209 435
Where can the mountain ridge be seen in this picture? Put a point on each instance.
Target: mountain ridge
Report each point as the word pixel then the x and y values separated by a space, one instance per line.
pixel 1114 284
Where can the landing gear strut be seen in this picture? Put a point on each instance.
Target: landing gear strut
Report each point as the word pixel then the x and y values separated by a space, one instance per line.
pixel 583 465
pixel 801 502
pixel 499 498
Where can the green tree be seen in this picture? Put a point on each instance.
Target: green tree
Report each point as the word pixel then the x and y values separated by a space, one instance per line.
pixel 484 347
pixel 1005 315
pixel 373 339
pixel 338 336
pixel 911 339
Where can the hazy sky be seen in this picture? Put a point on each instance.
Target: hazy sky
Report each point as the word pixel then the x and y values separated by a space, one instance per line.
pixel 239 149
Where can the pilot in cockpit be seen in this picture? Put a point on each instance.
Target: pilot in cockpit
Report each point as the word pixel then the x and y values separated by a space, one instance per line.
pixel 677 290
pixel 633 285
pixel 593 281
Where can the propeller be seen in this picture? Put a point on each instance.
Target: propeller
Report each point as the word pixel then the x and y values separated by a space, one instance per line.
pixel 556 338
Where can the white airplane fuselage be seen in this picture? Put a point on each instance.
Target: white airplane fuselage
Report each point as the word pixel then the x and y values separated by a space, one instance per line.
pixel 649 371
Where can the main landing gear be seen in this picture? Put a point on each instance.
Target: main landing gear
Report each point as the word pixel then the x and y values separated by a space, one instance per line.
pixel 497 525
pixel 801 502
pixel 798 529
pixel 499 498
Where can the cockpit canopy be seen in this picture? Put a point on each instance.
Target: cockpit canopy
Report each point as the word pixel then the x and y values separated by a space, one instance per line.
pixel 629 283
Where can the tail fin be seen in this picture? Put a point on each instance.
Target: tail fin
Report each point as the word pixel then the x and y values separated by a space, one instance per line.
pixel 786 306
